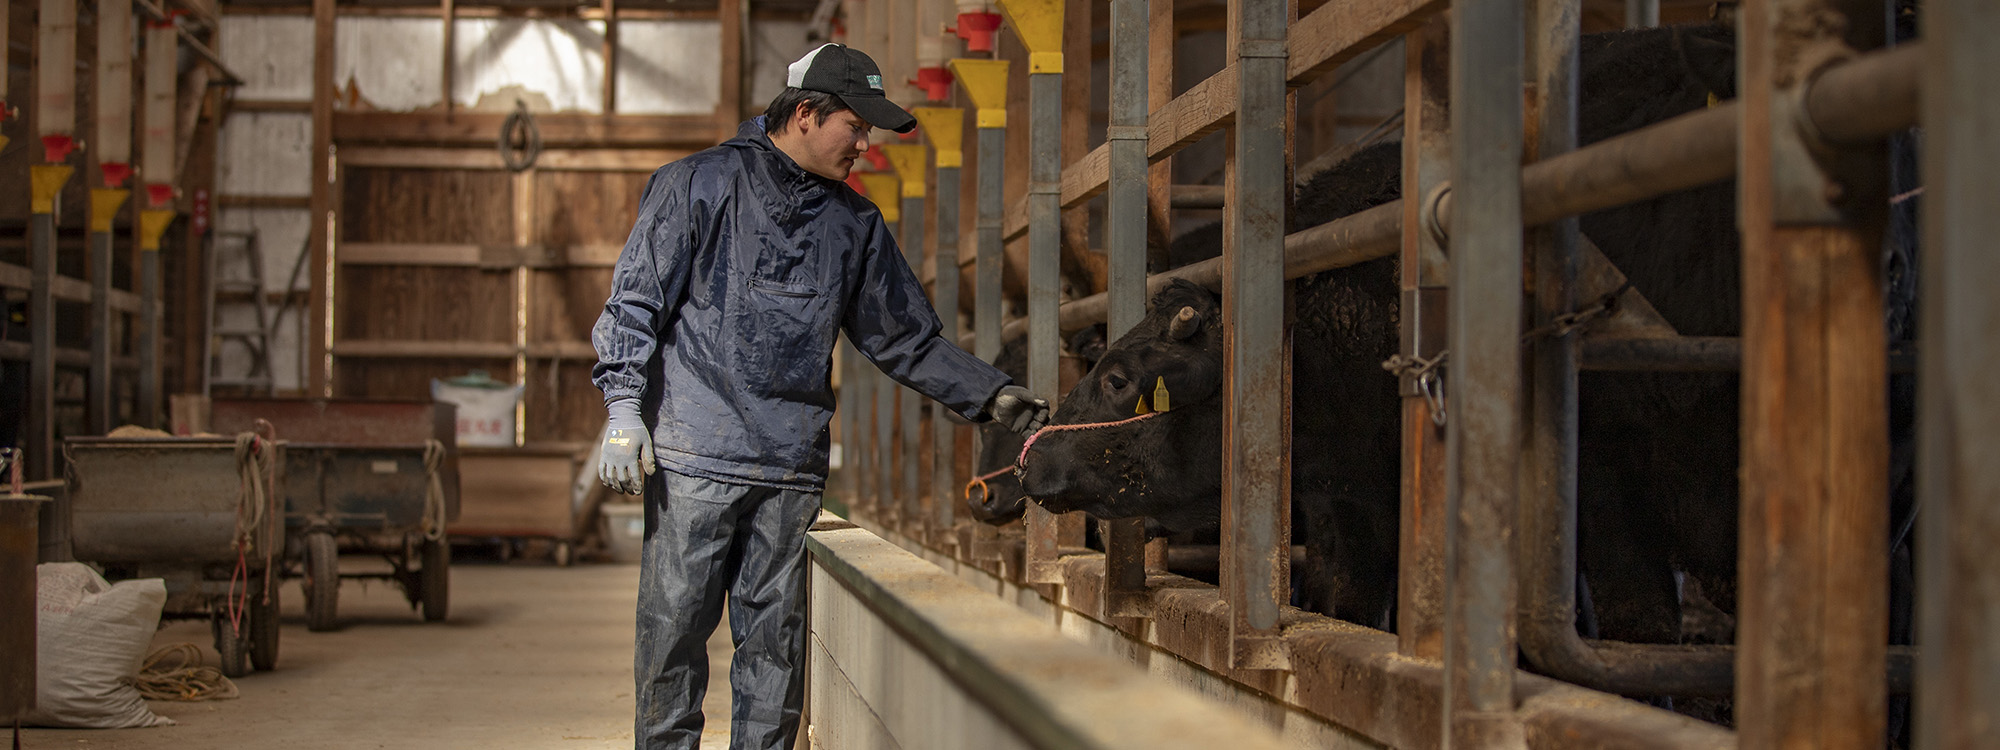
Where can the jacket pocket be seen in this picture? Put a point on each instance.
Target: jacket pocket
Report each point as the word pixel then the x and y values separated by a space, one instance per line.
pixel 783 290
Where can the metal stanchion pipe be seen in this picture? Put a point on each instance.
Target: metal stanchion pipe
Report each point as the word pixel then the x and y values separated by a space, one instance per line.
pixel 910 232
pixel 98 409
pixel 1044 289
pixel 987 300
pixel 1125 232
pixel 149 339
pixel 1853 100
pixel 944 475
pixel 1483 435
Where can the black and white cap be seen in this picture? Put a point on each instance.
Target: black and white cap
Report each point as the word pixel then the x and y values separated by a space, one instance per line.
pixel 847 73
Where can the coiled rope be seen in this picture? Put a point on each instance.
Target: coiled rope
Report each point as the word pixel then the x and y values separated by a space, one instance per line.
pixel 434 509
pixel 257 470
pixel 175 673
pixel 519 132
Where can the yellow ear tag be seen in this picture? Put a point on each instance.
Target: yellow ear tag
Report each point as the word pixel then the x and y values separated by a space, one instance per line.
pixel 1160 395
pixel 1141 408
pixel 1712 101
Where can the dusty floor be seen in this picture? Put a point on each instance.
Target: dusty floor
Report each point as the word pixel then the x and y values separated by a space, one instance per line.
pixel 533 656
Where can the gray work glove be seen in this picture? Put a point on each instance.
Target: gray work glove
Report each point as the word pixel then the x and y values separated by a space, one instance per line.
pixel 1017 409
pixel 628 449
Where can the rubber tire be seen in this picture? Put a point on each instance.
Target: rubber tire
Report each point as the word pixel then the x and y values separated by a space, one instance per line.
pixel 564 554
pixel 322 582
pixel 436 579
pixel 264 630
pixel 234 651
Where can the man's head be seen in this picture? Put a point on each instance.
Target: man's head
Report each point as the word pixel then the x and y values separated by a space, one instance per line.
pixel 833 98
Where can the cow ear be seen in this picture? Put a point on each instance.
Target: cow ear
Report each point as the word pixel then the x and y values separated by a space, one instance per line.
pixel 1186 323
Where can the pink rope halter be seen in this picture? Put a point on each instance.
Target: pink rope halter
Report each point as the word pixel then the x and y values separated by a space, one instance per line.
pixel 1022 462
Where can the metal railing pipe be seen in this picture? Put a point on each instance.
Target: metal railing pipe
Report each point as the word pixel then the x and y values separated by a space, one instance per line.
pixel 1044 288
pixel 910 233
pixel 944 466
pixel 1125 233
pixel 1688 151
pixel 1483 435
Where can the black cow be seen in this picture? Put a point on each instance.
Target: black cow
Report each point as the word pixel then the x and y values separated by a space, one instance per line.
pixel 996 497
pixel 1658 456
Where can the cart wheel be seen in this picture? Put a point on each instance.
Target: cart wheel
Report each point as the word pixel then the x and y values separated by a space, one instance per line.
pixel 264 630
pixel 436 579
pixel 322 583
pixel 230 646
pixel 565 553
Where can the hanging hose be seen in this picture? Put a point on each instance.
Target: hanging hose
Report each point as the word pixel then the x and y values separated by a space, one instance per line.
pixel 434 508
pixel 518 135
pixel 175 673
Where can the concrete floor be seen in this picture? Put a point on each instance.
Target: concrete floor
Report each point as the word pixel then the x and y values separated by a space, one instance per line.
pixel 533 656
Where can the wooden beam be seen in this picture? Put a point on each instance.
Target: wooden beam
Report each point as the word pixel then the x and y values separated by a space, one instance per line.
pixel 66 288
pixel 264 201
pixel 270 105
pixel 558 130
pixel 1320 42
pixel 318 367
pixel 578 160
pixel 393 349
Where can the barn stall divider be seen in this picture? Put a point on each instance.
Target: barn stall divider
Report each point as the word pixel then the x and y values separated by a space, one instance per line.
pixel 1492 179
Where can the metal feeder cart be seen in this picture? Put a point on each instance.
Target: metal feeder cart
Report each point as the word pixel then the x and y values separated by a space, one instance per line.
pixel 369 477
pixel 201 513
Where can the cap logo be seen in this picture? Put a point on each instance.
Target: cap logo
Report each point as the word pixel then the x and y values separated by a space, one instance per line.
pixel 875 82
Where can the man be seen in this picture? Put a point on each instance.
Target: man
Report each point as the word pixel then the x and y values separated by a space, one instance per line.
pixel 715 357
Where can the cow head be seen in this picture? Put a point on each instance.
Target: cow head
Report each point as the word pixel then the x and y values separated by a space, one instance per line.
pixel 999 500
pixel 1166 467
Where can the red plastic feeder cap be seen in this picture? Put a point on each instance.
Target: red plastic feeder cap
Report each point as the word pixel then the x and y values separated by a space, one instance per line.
pixel 56 148
pixel 936 83
pixel 158 194
pixel 115 173
pixel 854 181
pixel 977 30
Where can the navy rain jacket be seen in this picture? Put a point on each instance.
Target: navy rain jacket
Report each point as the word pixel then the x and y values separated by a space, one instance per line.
pixel 740 273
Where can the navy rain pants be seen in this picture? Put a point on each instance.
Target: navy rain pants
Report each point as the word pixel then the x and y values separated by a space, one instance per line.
pixel 704 538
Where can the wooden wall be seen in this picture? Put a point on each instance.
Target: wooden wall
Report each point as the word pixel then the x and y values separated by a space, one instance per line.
pixel 433 263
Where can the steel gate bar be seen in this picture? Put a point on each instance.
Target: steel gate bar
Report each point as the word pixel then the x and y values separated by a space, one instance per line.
pixel 1482 442
pixel 55 117
pixel 985 82
pixel 1125 234
pixel 114 158
pixel 908 161
pixel 1161 40
pixel 1865 99
pixel 1957 478
pixel 156 172
pixel 1038 23
pixel 945 126
pixel 1813 566
pixel 1426 164
pixel 1256 468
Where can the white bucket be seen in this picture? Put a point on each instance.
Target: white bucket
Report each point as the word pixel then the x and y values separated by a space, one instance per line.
pixel 624 530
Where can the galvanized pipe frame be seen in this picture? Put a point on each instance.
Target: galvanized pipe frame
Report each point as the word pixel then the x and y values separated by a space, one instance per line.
pixel 1483 435
pixel 1125 244
pixel 910 234
pixel 1958 420
pixel 944 464
pixel 987 299
pixel 1865 98
pixel 1256 459
pixel 1044 290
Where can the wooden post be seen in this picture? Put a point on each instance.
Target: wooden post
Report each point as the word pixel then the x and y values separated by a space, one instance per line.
pixel 449 12
pixel 1426 162
pixel 610 92
pixel 1813 564
pixel 319 363
pixel 1160 43
pixel 729 107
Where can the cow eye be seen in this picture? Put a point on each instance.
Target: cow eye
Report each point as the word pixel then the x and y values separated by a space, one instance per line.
pixel 1115 382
